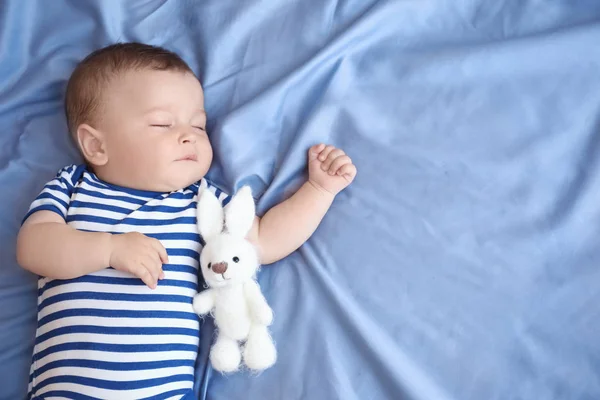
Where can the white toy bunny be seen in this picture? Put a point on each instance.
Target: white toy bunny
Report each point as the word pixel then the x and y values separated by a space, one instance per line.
pixel 229 263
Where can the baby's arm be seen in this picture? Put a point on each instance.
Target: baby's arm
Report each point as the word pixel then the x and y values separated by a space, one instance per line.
pixel 47 246
pixel 285 227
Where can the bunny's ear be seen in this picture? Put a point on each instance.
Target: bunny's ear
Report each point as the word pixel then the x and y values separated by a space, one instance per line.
pixel 240 212
pixel 209 215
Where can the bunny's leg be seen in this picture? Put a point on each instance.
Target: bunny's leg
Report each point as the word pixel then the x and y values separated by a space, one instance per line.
pixel 225 354
pixel 259 352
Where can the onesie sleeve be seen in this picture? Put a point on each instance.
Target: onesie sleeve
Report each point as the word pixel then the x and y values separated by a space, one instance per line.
pixel 56 194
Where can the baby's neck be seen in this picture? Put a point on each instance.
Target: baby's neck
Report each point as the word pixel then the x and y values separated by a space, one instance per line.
pixel 121 181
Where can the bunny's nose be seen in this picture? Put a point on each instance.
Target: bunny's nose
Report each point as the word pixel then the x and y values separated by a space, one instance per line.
pixel 219 268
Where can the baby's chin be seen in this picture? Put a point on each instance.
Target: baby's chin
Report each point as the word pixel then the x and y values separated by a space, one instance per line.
pixel 181 174
pixel 176 181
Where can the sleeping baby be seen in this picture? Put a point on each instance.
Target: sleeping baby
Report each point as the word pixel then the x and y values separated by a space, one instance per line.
pixel 115 240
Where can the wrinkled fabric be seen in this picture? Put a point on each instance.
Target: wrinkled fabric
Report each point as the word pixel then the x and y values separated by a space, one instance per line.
pixel 462 264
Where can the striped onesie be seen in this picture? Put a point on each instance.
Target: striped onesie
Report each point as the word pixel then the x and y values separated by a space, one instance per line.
pixel 107 335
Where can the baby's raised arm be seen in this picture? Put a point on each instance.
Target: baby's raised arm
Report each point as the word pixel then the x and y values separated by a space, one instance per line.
pixel 285 227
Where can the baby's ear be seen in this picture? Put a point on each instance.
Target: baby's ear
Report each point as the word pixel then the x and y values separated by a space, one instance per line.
pixel 92 145
pixel 240 212
pixel 209 214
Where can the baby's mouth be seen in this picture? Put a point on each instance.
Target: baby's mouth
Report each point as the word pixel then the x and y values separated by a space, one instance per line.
pixel 189 157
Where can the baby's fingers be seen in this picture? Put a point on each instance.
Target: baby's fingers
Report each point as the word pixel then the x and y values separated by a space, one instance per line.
pixel 338 163
pixel 348 171
pixel 330 158
pixel 314 151
pixel 153 265
pixel 325 152
pixel 144 274
pixel 160 249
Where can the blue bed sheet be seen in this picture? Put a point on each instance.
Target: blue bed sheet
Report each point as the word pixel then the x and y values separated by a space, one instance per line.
pixel 462 264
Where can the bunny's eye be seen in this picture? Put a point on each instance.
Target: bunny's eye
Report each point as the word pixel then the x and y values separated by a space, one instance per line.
pixel 209 265
pixel 236 259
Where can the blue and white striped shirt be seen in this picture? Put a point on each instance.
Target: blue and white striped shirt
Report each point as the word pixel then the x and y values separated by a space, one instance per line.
pixel 107 335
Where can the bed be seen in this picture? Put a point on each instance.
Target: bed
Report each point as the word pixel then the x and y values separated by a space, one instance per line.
pixel 463 262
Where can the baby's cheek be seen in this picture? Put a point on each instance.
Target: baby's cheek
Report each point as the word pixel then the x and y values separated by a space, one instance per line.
pixel 148 151
pixel 205 152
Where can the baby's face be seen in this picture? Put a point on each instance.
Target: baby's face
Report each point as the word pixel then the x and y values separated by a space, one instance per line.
pixel 154 129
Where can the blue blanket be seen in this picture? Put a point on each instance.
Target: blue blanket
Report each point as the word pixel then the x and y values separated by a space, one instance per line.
pixel 462 264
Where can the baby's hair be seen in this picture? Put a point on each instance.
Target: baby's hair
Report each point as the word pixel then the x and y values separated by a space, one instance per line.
pixel 84 89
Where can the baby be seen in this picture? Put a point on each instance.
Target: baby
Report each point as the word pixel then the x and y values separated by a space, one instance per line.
pixel 115 240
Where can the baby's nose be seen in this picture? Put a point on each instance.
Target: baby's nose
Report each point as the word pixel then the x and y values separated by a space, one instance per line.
pixel 188 139
pixel 220 268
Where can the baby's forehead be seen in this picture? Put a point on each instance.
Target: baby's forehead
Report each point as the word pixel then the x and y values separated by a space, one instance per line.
pixel 104 70
pixel 147 89
pixel 149 77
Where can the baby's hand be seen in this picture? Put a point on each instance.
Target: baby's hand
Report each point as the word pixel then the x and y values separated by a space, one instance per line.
pixel 330 168
pixel 139 255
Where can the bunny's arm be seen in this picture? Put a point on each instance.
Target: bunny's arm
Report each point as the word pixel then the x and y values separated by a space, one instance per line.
pixel 204 302
pixel 259 309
